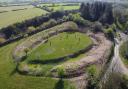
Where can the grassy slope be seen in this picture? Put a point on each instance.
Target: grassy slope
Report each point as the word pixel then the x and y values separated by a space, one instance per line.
pixel 61 45
pixel 12 17
pixel 8 80
pixel 34 38
pixel 122 51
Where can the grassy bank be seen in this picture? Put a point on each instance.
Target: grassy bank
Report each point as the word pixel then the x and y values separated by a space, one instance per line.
pixel 11 80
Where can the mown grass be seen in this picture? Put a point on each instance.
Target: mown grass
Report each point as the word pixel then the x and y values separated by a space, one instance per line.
pixel 11 80
pixel 61 45
pixel 12 17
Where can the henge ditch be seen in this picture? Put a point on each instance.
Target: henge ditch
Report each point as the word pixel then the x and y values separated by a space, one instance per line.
pixel 100 47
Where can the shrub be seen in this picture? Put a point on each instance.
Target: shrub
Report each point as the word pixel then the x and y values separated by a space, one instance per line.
pixel 65 18
pixel 26 50
pixel 51 22
pixel 60 71
pixel 2 40
pixel 98 27
pixel 110 33
pixel 92 73
pixel 78 19
pixel 31 28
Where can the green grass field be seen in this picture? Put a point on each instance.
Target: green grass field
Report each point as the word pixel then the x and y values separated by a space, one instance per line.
pixel 12 17
pixel 9 8
pixel 65 7
pixel 56 4
pixel 11 80
pixel 60 45
pixel 57 46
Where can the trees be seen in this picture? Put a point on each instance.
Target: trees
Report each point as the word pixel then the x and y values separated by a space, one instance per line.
pixel 26 50
pixel 51 22
pixel 101 11
pixel 57 14
pixel 78 19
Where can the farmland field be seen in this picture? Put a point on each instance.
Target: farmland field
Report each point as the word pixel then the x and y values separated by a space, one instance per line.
pixel 56 4
pixel 65 7
pixel 9 8
pixel 12 17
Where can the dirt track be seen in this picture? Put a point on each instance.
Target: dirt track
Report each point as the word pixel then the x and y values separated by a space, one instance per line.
pixel 98 54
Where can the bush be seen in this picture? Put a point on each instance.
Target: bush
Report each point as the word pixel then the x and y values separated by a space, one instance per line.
pixel 31 28
pixel 65 18
pixel 78 19
pixel 51 22
pixel 124 50
pixel 92 73
pixel 98 27
pixel 2 40
pixel 110 33
pixel 60 71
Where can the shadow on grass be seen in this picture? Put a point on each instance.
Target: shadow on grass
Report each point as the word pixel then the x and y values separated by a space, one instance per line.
pixel 14 71
pixel 50 61
pixel 59 84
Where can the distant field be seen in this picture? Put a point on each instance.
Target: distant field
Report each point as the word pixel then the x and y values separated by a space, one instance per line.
pixel 9 8
pixel 62 6
pixel 65 7
pixel 12 17
pixel 50 4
